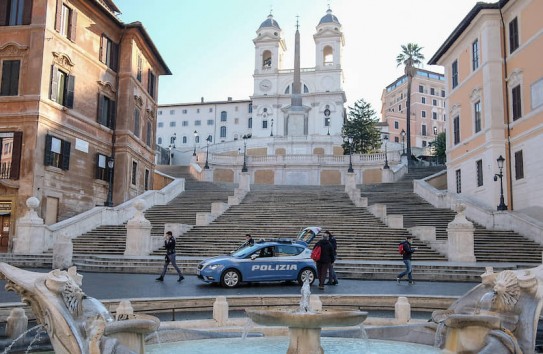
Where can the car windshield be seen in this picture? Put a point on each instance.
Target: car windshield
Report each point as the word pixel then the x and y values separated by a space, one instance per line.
pixel 244 252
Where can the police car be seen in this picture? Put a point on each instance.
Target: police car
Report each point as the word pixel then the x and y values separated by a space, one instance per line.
pixel 267 260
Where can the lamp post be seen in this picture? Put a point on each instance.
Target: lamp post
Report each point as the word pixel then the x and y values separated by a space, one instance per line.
pixel 208 139
pixel 170 155
pixel 386 152
pixel 195 137
pixel 110 165
pixel 271 130
pixel 502 205
pixel 245 137
pixel 327 119
pixel 403 141
pixel 435 146
pixel 350 170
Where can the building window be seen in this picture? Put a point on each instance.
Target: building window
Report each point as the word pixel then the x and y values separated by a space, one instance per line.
pixel 423 114
pixel 434 115
pixel 172 124
pixel 147 179
pixel 250 123
pixel 149 133
pixel 432 91
pixel 434 102
pixel 211 110
pixel 106 111
pixel 172 140
pixel 185 123
pixel 137 123
pixel 454 73
pixel 66 20
pixel 159 141
pixel 15 12
pixel 479 170
pixel 475 55
pixel 134 174
pixel 102 170
pixel 442 93
pixel 160 124
pixel 159 113
pixel 197 110
pixel 423 130
pixel 519 165
pixel 477 115
pixel 396 139
pixel 62 87
pixel 513 35
pixel 516 102
pixel 184 111
pixel 140 69
pixel 399 108
pixel 421 89
pixel 424 143
pixel 172 112
pixel 537 94
pixel 223 132
pixel 423 100
pixel 250 108
pixel 197 122
pixel 264 124
pixel 109 53
pixel 151 83
pixel 456 130
pixel 57 153
pixel 184 139
pixel 223 116
pixel 396 125
pixel 210 122
pixel 458 174
pixel 10 78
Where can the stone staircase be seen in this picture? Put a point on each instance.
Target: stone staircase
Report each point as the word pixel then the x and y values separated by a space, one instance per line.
pixel 490 245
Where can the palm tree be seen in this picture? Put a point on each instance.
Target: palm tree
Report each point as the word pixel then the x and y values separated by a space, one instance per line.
pixel 410 56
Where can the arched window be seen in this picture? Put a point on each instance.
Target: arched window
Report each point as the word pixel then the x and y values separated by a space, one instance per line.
pixel 159 141
pixel 287 90
pixel 250 124
pixel 223 116
pixel 223 132
pixel 185 139
pixel 306 89
pixel 172 140
pixel 266 59
pixel 328 55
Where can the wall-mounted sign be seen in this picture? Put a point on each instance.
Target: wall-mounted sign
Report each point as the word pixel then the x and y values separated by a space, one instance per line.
pixel 81 145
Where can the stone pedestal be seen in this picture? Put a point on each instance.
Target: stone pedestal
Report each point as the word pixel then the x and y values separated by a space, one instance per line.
pixel 379 211
pixel 387 176
pixel 218 208
pixel 207 175
pixel 138 233
pixel 63 250
pixel 32 233
pixel 220 310
pixel 402 310
pixel 17 323
pixel 395 221
pixel 350 182
pixel 204 219
pixel 245 181
pixel 460 238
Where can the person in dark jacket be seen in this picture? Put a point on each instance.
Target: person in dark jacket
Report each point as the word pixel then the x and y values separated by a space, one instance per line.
pixel 249 241
pixel 327 257
pixel 169 244
pixel 332 277
pixel 408 250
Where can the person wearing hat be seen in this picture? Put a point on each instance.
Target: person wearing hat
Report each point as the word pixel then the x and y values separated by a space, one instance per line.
pixel 169 244
pixel 408 250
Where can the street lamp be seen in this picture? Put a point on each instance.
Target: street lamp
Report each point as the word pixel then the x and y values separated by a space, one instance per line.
pixel 170 156
pixel 206 166
pixel 245 137
pixel 435 146
pixel 502 205
pixel 271 130
pixel 350 170
pixel 386 152
pixel 110 164
pixel 403 141
pixel 195 137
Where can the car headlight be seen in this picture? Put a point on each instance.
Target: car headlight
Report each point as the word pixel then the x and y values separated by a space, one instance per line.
pixel 214 267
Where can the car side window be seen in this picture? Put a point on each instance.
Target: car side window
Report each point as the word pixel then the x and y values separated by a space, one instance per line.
pixel 266 252
pixel 286 250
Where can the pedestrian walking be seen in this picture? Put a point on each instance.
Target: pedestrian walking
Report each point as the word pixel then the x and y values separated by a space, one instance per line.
pixel 169 244
pixel 249 241
pixel 326 258
pixel 332 278
pixel 407 251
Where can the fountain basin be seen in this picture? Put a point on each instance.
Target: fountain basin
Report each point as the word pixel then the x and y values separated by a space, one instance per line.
pixel 312 320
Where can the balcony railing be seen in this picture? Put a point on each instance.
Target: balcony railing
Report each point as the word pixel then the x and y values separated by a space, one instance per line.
pixel 5 171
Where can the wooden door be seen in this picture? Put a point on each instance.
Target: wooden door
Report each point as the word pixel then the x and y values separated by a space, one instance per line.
pixel 4 232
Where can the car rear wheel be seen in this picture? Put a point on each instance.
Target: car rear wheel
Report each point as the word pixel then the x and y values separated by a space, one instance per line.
pixel 306 273
pixel 230 278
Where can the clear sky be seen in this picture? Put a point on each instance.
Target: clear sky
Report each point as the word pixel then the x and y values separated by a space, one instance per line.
pixel 207 44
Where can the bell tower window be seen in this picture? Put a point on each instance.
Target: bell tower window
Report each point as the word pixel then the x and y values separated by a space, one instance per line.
pixel 266 59
pixel 328 56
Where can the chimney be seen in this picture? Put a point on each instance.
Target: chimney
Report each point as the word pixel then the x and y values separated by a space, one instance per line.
pixel 229 99
pixel 202 100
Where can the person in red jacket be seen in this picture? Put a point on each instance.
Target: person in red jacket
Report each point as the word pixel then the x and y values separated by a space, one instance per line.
pixel 327 257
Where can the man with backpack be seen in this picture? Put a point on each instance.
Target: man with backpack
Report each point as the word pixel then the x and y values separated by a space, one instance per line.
pixel 325 258
pixel 406 250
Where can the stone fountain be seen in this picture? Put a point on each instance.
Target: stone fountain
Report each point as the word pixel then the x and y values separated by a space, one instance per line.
pixel 76 323
pixel 305 325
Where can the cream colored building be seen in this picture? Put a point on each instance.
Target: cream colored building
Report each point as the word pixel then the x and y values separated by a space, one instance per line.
pixel 428 113
pixel 78 90
pixel 494 74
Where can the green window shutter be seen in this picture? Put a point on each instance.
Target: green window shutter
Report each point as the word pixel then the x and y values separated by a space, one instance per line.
pixel 48 155
pixel 16 155
pixel 65 164
pixel 70 87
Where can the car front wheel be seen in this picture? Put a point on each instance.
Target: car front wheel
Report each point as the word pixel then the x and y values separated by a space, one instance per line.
pixel 306 273
pixel 230 278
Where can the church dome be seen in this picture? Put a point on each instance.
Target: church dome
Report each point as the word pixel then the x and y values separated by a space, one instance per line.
pixel 329 18
pixel 270 22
